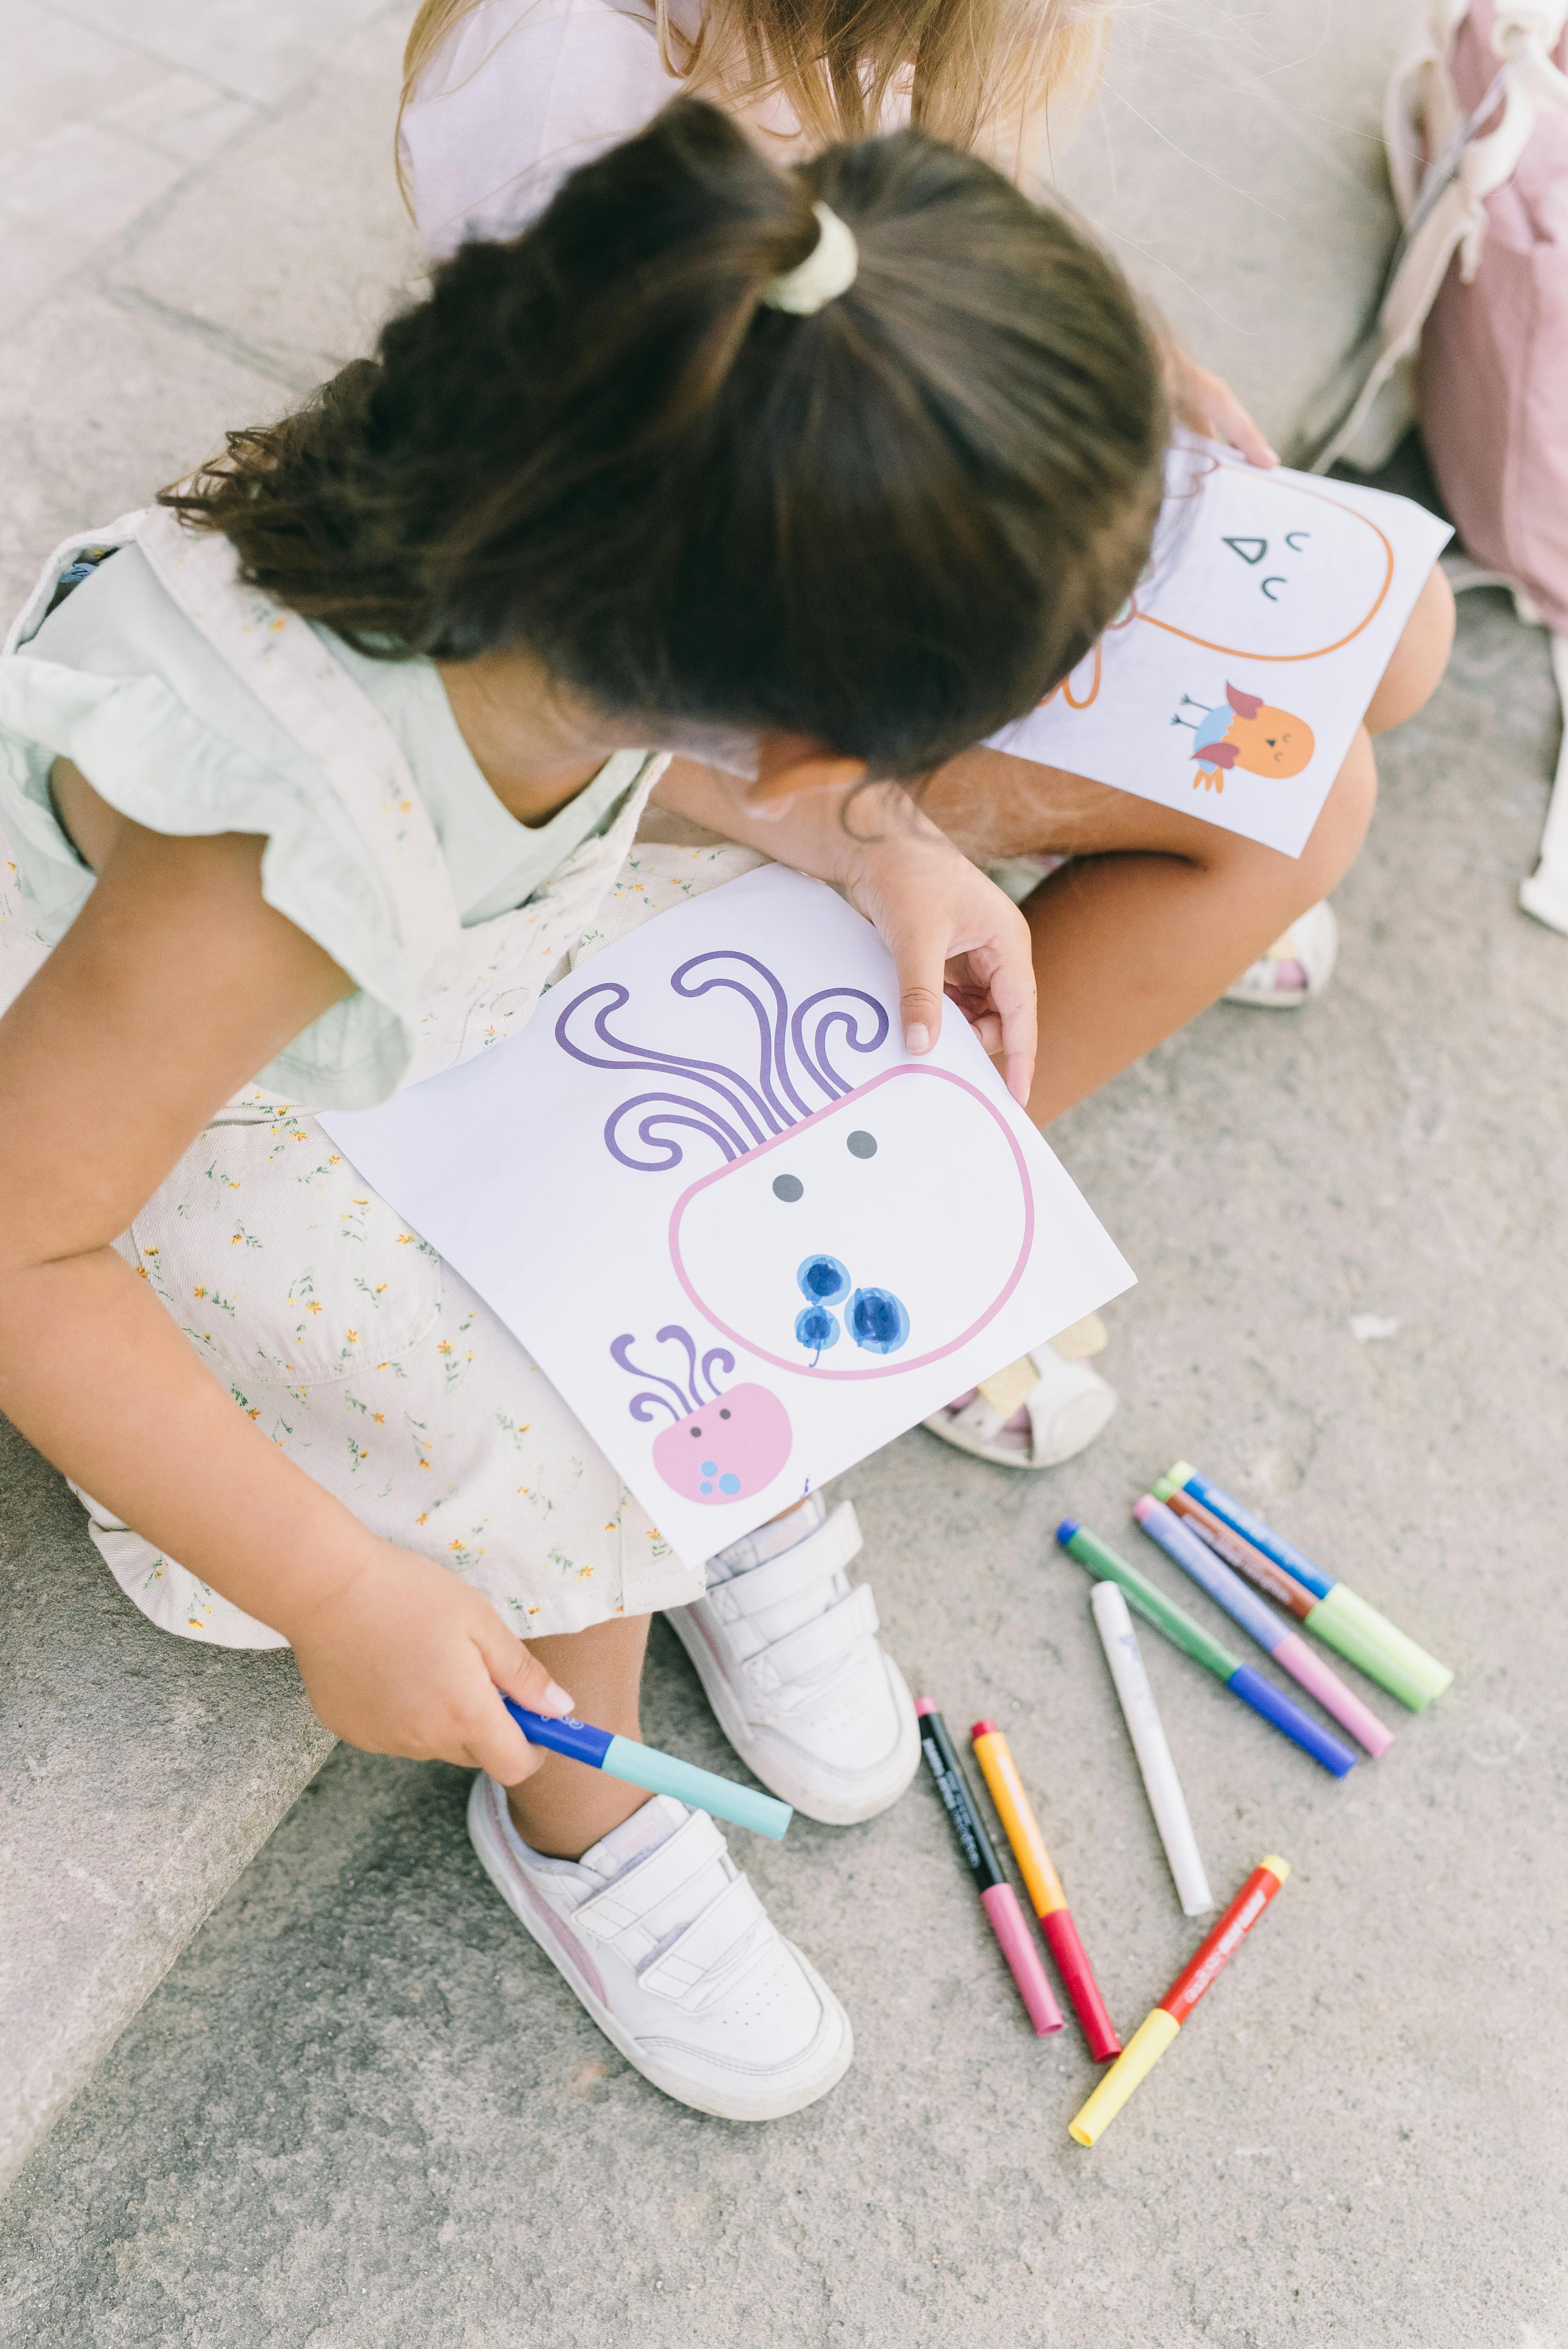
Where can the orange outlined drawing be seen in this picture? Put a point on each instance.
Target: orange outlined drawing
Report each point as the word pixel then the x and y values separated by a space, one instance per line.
pixel 1377 564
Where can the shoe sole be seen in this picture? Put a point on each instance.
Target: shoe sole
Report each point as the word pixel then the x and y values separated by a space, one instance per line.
pixel 499 1866
pixel 777 1775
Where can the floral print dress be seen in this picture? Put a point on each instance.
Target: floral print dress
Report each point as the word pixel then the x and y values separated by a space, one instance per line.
pixel 332 1324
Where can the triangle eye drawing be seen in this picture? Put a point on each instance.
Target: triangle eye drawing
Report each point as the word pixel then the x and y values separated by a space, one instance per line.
pixel 1251 550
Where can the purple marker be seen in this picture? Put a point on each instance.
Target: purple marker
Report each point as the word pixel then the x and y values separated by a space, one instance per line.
pixel 1272 1634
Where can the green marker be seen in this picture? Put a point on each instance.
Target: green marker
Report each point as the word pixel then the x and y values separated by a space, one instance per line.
pixel 1388 1656
pixel 1146 1599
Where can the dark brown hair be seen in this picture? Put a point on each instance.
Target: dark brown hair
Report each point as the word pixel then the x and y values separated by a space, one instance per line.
pixel 891 525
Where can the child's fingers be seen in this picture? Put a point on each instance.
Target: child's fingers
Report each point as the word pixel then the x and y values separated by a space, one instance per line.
pixel 1013 1000
pixel 506 1753
pixel 920 992
pixel 1230 422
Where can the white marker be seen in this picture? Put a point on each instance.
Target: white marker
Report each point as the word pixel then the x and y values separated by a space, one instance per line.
pixel 1160 1782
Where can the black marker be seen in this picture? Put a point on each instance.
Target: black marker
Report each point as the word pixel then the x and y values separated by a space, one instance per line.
pixel 996 1895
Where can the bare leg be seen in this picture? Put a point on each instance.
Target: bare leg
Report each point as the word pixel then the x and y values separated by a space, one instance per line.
pixel 1418 660
pixel 1159 912
pixel 566 1806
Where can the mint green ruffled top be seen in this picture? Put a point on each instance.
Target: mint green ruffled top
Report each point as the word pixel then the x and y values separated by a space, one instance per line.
pixel 118 680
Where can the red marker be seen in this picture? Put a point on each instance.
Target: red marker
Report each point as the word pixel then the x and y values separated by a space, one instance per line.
pixel 997 1896
pixel 1155 2032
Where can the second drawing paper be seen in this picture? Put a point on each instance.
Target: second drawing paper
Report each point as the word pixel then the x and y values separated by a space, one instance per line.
pixel 1233 684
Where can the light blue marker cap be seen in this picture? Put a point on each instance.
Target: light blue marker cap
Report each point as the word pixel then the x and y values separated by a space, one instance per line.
pixel 663 1774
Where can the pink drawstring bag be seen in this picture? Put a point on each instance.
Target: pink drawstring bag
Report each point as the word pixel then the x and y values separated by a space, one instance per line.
pixel 1475 128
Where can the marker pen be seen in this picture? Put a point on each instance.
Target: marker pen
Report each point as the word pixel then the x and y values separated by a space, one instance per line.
pixel 1045 1889
pixel 1159 2027
pixel 1289 1650
pixel 1405 1670
pixel 662 1773
pixel 1179 1627
pixel 996 1895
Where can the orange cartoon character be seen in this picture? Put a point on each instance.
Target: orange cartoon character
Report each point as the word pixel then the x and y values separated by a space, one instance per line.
pixel 1244 731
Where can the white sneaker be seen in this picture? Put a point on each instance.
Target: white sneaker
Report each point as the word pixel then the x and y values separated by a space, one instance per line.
pixel 675 1957
pixel 788 1657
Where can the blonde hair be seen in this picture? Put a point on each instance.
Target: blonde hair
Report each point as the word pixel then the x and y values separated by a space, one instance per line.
pixel 978 71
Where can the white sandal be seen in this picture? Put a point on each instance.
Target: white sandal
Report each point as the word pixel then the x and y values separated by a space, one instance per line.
pixel 1298 966
pixel 1039 1410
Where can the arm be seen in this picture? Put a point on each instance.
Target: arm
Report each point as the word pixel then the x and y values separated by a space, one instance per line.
pixel 949 929
pixel 174 984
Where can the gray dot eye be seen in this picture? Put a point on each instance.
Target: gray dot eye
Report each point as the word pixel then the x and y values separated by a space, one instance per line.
pixel 862 1145
pixel 789 1188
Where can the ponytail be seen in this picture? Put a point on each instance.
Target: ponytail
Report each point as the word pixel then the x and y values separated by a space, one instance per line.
pixel 891 525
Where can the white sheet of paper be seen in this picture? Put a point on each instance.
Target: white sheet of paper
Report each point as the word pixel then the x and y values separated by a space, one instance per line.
pixel 747 1238
pixel 1235 682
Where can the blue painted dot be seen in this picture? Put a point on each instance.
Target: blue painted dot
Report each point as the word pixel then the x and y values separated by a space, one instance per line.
pixel 729 1484
pixel 704 1488
pixel 877 1320
pixel 822 1279
pixel 817 1327
pixel 711 1467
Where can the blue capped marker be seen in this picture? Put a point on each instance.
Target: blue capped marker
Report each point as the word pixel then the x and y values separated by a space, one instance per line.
pixel 661 1773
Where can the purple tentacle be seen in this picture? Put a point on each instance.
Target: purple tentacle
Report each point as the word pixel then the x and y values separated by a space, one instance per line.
pixel 638 1412
pixel 739 1097
pixel 773 1032
pixel 620 1354
pixel 821 1067
pixel 701 1119
pixel 725 1359
pixel 672 1332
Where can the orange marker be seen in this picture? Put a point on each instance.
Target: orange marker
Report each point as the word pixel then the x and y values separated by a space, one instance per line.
pixel 1044 1886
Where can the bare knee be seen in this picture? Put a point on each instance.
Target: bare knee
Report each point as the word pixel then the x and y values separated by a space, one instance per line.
pixel 1418 660
pixel 1341 827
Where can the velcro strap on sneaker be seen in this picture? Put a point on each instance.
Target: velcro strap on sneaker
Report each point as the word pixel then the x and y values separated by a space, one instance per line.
pixel 705 1943
pixel 821 1641
pixel 695 1844
pixel 816 1559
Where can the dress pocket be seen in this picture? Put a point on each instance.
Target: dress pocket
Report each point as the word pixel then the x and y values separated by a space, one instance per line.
pixel 281 1266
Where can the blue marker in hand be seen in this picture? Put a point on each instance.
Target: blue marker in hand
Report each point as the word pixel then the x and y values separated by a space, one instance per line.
pixel 662 1773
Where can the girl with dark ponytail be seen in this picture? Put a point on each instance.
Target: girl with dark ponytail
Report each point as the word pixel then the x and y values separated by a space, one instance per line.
pixel 317 771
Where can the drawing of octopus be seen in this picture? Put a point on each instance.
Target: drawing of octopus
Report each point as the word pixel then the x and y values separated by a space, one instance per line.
pixel 1244 730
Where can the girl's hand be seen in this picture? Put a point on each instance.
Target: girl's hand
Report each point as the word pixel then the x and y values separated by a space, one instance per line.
pixel 951 932
pixel 402 1658
pixel 1208 404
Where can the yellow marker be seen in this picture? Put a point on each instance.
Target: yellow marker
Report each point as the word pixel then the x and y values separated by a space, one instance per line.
pixel 1047 1898
pixel 1155 2032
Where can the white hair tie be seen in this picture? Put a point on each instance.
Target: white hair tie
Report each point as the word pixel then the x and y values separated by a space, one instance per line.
pixel 828 270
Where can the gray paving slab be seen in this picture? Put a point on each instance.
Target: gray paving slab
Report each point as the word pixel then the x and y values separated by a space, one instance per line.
pixel 137 1775
pixel 362 2111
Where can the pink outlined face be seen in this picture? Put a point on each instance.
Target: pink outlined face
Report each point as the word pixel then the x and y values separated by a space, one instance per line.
pixel 727 1450
pixel 855 1187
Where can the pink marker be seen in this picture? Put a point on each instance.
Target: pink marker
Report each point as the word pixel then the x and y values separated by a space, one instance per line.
pixel 997 1896
pixel 1287 1648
